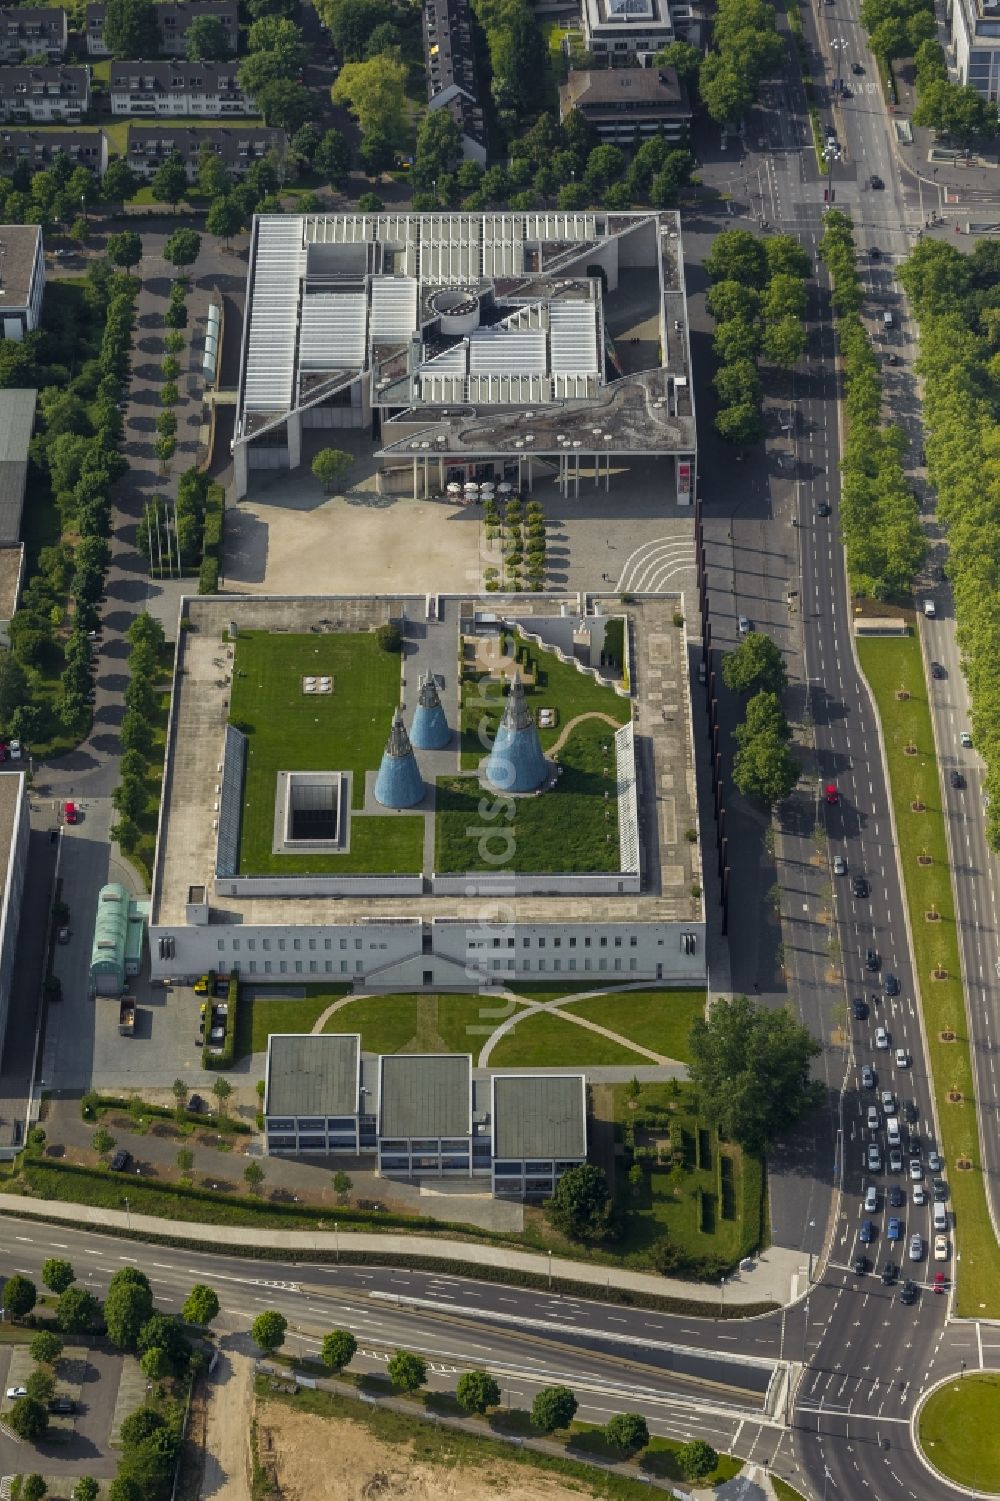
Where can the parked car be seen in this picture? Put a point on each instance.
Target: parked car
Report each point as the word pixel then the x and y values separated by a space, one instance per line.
pixel 70 813
pixel 121 1160
pixel 743 625
pixel 13 1392
pixel 62 1404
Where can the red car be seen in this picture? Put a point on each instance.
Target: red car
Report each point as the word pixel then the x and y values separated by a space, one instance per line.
pixel 70 814
pixel 939 1282
pixel 832 795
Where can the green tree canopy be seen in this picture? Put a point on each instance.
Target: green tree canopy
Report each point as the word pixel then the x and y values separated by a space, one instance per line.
pixel 170 181
pixel 286 104
pixel 476 1392
pixel 181 249
pixel 754 666
pixel 580 1206
pixel 201 1305
pixel 554 1407
pixel 338 1349
pixel 751 1068
pixel 224 218
pixel 19 1297
pixel 268 1330
pixel 627 1431
pixel 86 1489
pixel 697 1459
pixel 127 1307
pixel 330 466
pixel 138 1425
pixel 740 424
pixel 45 1347
pixel 124 248
pixel 77 1311
pixel 130 28
pixel 205 40
pixel 28 1419
pixel 407 1371
pixel 737 255
pixel 375 93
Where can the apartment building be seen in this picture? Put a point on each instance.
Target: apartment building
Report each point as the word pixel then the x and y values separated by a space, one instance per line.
pixel 173 21
pixel 44 96
pixel 175 90
pixel 238 147
pixel 30 31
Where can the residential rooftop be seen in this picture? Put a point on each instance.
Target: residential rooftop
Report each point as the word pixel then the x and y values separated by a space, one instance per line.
pixel 175 76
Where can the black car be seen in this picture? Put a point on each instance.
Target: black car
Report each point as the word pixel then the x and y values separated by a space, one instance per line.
pixel 909 1112
pixel 860 1008
pixel 876 182
pixel 956 779
pixel 856 68
pixel 62 1404
pixel 196 1104
pixel 890 984
pixel 940 1190
pixel 120 1160
pixel 872 959
pixel 874 253
pixel 896 1196
pixel 861 1266
pixel 822 509
pixel 860 886
pixel 889 1273
pixel 908 1292
pixel 937 671
pixel 892 358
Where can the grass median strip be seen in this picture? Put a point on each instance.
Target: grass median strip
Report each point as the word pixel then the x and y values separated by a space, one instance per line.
pixel 894 667
pixel 959 1432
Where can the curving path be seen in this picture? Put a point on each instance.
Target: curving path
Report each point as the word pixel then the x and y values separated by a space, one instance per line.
pixel 554 750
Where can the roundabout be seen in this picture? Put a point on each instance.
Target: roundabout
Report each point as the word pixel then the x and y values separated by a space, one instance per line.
pixel 958 1431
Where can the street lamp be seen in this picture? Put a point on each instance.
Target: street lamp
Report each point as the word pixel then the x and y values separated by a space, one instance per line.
pixel 128 1216
pixel 722 1296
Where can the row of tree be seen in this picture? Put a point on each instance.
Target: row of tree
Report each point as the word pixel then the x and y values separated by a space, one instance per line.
pixel 763 766
pixel 79 362
pixel 957 305
pixel 476 1392
pixel 879 515
pixel 146 638
pixel 745 50
pixel 908 28
pixel 758 300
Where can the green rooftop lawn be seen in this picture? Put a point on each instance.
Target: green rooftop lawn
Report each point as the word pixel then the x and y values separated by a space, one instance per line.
pixel 548 1038
pixel 558 686
pixel 656 1019
pixel 342 731
pixel 408 1023
pixel 564 829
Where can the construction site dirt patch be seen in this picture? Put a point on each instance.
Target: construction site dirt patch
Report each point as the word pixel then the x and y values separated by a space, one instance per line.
pixel 312 1456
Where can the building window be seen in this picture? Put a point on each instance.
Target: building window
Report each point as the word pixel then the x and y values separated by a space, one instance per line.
pixel 328 943
pixel 603 964
pixel 557 964
pixel 633 964
pixel 618 964
pixel 604 943
pixel 221 944
pixel 618 943
pixel 236 945
pixel 586 943
pixel 253 966
pixel 633 942
pixel 265 944
pixel 572 943
pixel 343 966
pixel 281 945
pixel 328 966
pixel 343 943
pixel 527 943
pixel 357 943
pixel 298 966
pixel 572 964
pixel 251 944
pixel 283 966
pixel 557 942
pixel 313 966
pixel 541 964
pixel 267 966
pixel 312 943
pixel 587 964
pixel 358 966
pixel 296 944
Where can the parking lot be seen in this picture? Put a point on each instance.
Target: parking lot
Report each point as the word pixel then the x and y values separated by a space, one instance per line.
pixel 91 1376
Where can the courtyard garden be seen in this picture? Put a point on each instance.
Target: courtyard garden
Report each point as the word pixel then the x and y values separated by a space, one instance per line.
pixel 343 730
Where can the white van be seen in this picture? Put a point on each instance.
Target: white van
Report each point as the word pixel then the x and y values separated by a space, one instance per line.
pixel 940 1217
pixel 892 1129
pixel 930 609
pixel 886 320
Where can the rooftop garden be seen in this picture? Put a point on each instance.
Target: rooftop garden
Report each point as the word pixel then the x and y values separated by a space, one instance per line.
pixel 289 730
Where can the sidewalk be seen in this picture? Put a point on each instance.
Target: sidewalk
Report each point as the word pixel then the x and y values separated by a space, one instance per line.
pixel 775 1277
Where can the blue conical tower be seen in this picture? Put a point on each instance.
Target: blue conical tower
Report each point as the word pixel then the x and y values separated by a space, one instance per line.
pixel 398 784
pixel 516 763
pixel 429 730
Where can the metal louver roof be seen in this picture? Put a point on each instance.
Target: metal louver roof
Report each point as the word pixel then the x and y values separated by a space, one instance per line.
pixel 394 308
pixel 573 338
pixel 333 331
pixel 270 363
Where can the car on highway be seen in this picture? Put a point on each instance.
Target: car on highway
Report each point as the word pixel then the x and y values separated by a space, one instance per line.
pixel 916 1170
pixel 823 509
pixel 873 1118
pixel 861 1266
pixel 743 625
pixel 889 1273
pixel 956 779
pixel 908 1292
pixel 894 1229
pixel 881 1039
pixel 918 1194
pixel 859 1007
pixel 71 813
pixel 831 794
pixel 940 1282
pixel 897 1198
pixel 867 1232
pixel 859 886
pixel 965 739
pixel 937 671
pixel 839 865
pixel 873 959
pixel 13 1392
pixel 902 1058
pixel 940 1189
pixel 876 181
pixel 890 984
pixel 871 1199
pixel 941 1251
pixel 857 68
pixel 916 1248
pixel 874 1157
pixel 934 1161
pixel 909 1112
pixel 888 1102
pixel 867 1076
pixel 895 1160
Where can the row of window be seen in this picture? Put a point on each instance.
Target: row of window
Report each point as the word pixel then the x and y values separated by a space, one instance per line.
pixel 313 943
pixel 423 1164
pixel 330 966
pixel 556 942
pixel 311 1123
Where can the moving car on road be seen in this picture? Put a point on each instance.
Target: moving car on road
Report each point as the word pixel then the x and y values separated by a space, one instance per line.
pixel 71 813
pixel 831 794
pixel 895 1228
pixel 916 1248
pixel 941 1251
pixel 890 984
pixel 908 1292
pixel 881 1039
pixel 859 886
pixel 903 1061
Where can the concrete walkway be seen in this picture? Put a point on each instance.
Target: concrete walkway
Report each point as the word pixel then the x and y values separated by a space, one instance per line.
pixel 777 1276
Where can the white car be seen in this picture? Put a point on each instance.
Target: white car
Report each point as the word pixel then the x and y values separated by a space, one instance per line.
pixel 902 1058
pixel 940 1248
pixel 918 1194
pixel 916 1170
pixel 871 1199
pixel 966 739
pixel 13 1392
pixel 839 865
pixel 881 1039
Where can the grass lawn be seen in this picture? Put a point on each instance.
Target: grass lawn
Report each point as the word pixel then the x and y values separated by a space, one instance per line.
pixel 557 686
pixel 889 664
pixel 261 1015
pixel 144 853
pixel 784 1491
pixel 345 730
pixel 569 828
pixel 725 1220
pixel 547 1038
pixel 656 1019
pixel 960 1431
pixel 409 1023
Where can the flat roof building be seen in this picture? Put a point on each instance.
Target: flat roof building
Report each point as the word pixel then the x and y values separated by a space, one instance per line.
pixel 22 276
pixel 975 35
pixel 539 1131
pixel 479 346
pixel 627 28
pixel 17 421
pixel 425 1114
pixel 312 1097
